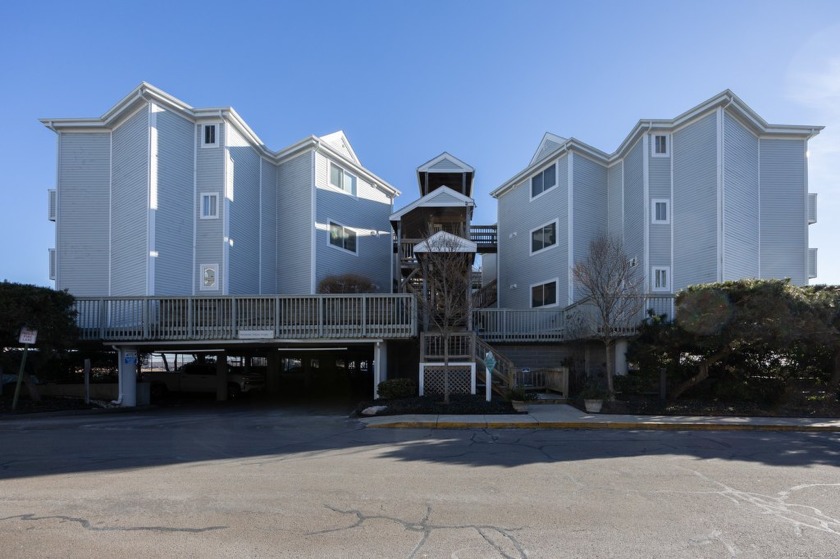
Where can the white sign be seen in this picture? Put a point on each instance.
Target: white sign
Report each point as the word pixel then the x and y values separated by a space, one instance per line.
pixel 256 334
pixel 28 336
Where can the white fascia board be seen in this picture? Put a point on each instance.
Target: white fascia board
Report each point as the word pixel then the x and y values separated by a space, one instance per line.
pixel 460 165
pixel 572 144
pixel 360 171
pixel 447 242
pixel 429 201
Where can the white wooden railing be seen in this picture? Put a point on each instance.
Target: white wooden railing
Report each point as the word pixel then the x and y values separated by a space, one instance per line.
pixel 577 321
pixel 288 317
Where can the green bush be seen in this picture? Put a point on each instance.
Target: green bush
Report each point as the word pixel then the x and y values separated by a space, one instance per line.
pixel 395 388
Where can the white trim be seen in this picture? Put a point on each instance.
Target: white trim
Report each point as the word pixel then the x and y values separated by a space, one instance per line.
pixel 110 210
pixel 556 303
pixel 195 278
pixel 646 207
pixel 654 271
pixel 421 382
pixel 217 129
pixel 556 223
pixel 204 268
pixel 570 229
pixel 542 171
pixel 345 228
pixel 57 210
pixel 344 174
pixel 313 246
pixel 260 235
pixel 226 200
pixel 215 197
pixel 671 206
pixel 653 203
pixel 720 190
pixel 758 155
pixel 152 200
pixel 653 140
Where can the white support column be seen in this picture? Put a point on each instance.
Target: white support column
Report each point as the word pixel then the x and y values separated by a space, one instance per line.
pixel 380 366
pixel 620 357
pixel 128 358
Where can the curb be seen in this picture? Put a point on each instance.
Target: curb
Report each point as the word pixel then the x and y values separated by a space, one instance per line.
pixel 602 425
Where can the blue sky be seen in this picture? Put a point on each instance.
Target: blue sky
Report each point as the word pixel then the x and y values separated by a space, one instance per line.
pixel 408 80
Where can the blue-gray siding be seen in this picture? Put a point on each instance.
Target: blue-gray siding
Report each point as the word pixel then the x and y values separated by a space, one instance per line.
pixel 615 205
pixel 659 188
pixel 244 172
pixel 367 214
pixel 174 215
pixel 130 206
pixel 634 205
pixel 784 238
pixel 82 231
pixel 210 178
pixel 518 215
pixel 741 203
pixel 294 225
pixel 590 206
pixel 695 203
pixel 268 234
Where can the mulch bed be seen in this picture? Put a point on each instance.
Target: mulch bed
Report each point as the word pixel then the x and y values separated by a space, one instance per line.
pixel 459 404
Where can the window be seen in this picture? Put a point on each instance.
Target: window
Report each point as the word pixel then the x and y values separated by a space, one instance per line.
pixel 661 279
pixel 544 294
pixel 544 180
pixel 342 237
pixel 209 205
pixel 660 145
pixel 53 263
pixel 659 211
pixel 341 179
pixel 209 136
pixel 544 237
pixel 209 277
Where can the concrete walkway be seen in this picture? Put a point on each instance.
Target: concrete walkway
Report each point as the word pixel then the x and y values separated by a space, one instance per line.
pixel 564 416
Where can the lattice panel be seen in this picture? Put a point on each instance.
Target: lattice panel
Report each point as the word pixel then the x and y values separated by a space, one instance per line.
pixel 460 379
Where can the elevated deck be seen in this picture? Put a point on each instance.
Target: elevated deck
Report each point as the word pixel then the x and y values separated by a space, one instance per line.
pixel 243 318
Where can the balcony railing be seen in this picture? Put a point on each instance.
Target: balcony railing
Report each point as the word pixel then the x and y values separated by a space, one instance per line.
pixel 575 322
pixel 282 317
pixel 485 237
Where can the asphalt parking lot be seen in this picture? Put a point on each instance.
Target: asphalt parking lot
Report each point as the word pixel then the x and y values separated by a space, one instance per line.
pixel 265 481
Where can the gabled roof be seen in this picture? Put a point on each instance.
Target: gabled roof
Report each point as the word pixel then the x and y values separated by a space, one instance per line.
pixel 445 163
pixel 335 144
pixel 549 144
pixel 726 100
pixel 341 144
pixel 443 197
pixel 445 242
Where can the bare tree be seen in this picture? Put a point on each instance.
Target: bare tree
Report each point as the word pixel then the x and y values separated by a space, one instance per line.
pixel 611 282
pixel 446 263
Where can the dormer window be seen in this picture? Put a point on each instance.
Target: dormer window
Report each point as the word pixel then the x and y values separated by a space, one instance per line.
pixel 342 180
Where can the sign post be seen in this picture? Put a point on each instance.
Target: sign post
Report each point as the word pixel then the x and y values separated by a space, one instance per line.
pixel 490 363
pixel 27 338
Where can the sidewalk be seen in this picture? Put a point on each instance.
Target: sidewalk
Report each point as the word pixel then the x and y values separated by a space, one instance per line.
pixel 564 416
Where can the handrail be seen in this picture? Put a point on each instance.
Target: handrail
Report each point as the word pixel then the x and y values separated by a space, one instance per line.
pixel 356 316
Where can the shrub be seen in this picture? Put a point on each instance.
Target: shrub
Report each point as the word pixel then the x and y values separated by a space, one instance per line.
pixel 397 388
pixel 346 283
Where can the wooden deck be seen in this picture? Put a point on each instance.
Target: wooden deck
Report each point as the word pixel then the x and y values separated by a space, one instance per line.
pixel 283 317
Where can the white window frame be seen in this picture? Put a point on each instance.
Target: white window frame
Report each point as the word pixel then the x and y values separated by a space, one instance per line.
pixel 667 152
pixel 217 129
pixel 214 269
pixel 207 196
pixel 52 263
pixel 556 224
pixel 345 229
pixel 544 189
pixel 653 203
pixel 655 284
pixel 344 174
pixel 556 282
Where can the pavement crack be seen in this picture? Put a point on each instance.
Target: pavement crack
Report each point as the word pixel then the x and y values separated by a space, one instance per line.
pixel 426 528
pixel 86 524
